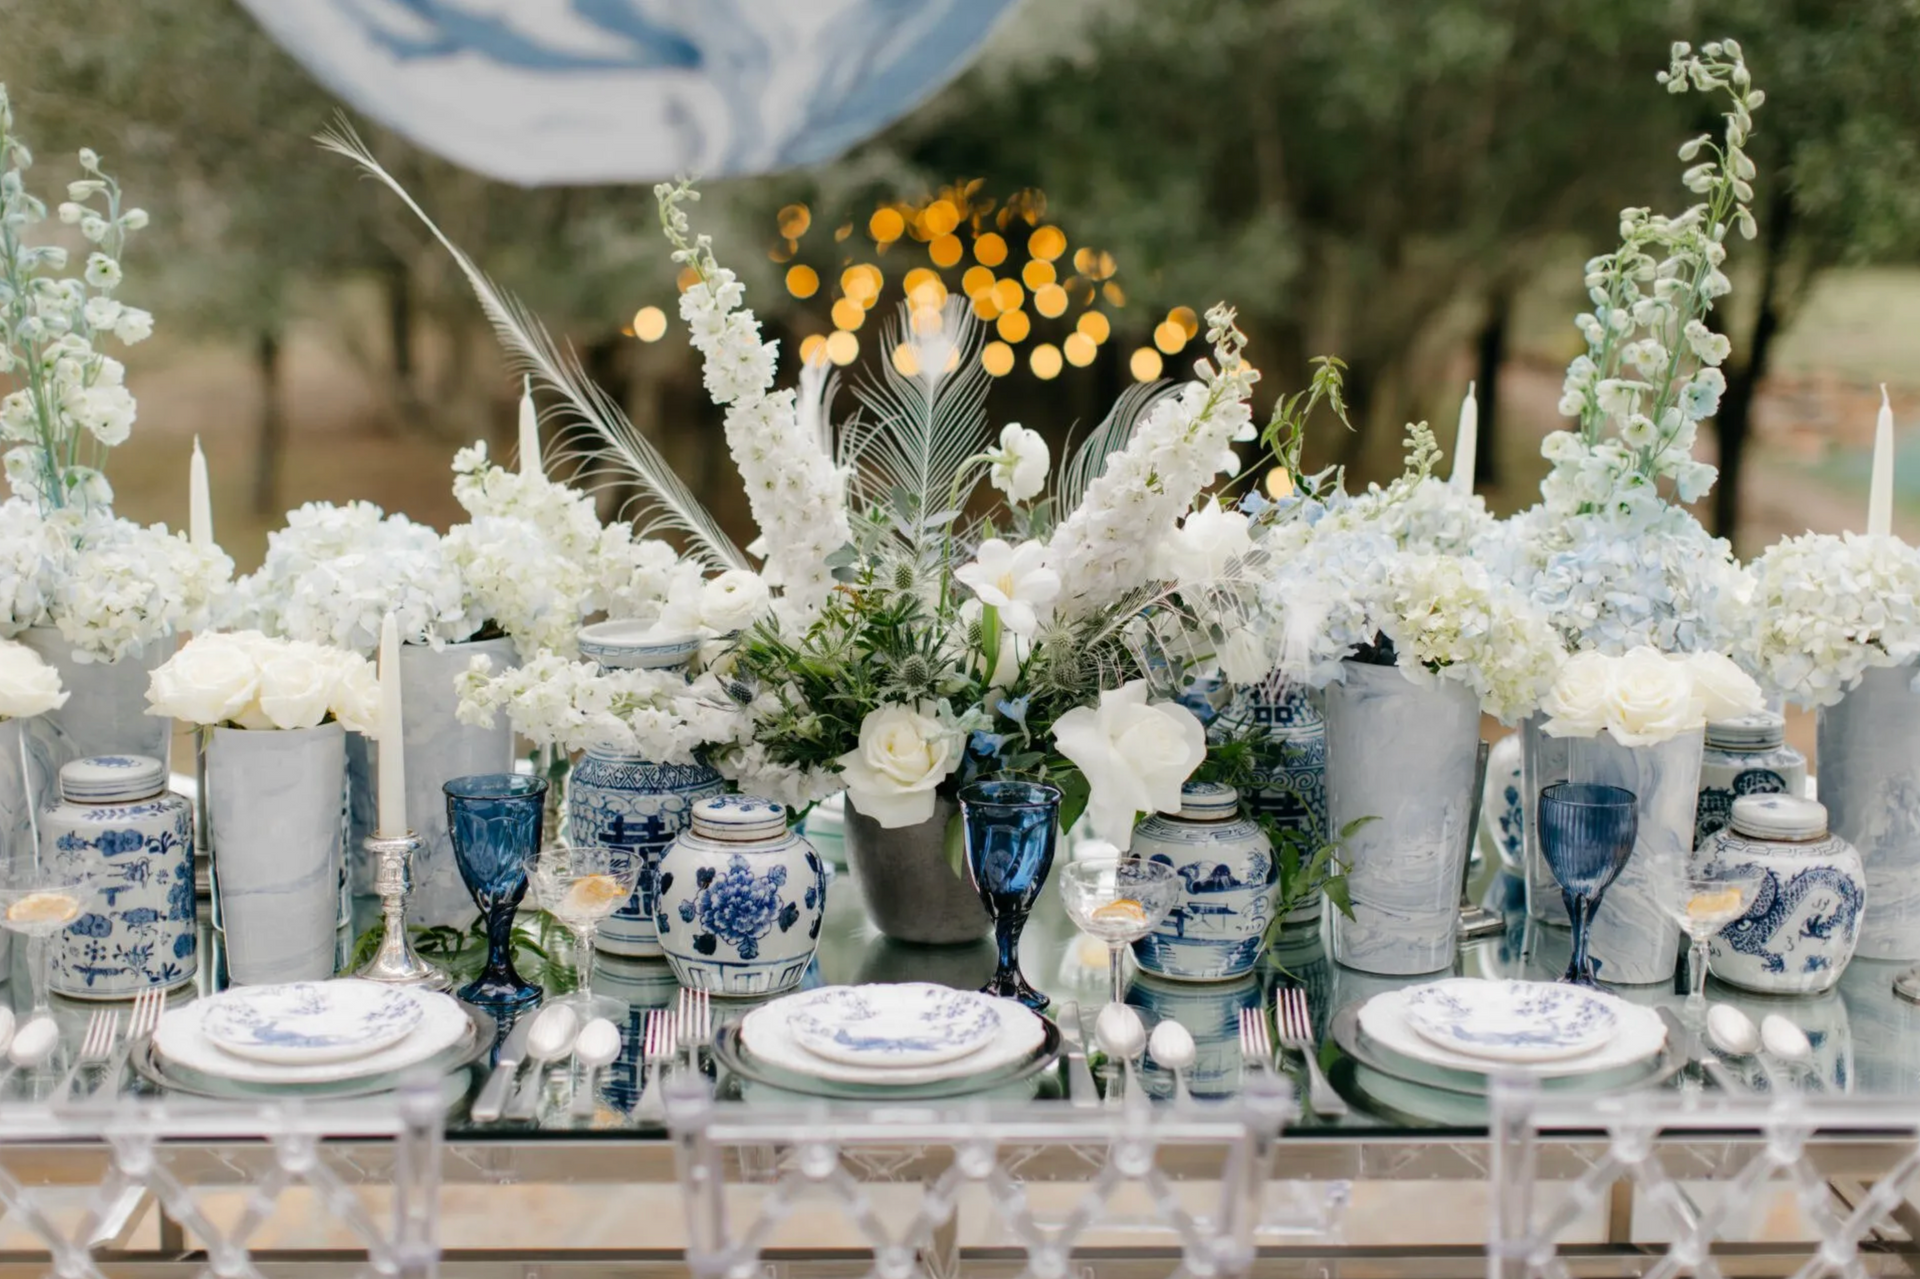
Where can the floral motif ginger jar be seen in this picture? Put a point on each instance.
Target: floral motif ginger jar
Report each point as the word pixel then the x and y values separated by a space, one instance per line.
pixel 1227 873
pixel 117 824
pixel 1745 756
pixel 740 899
pixel 1804 924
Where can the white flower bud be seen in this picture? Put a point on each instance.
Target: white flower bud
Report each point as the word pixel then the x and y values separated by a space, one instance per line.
pixel 71 213
pixel 134 219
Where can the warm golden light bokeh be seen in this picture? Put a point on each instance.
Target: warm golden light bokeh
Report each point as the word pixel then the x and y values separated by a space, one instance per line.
pixel 1013 326
pixel 1008 295
pixel 1169 336
pixel 1095 325
pixel 843 348
pixel 1080 349
pixel 1037 274
pixel 946 250
pixel 1045 361
pixel 794 220
pixel 990 249
pixel 1050 300
pixel 886 225
pixel 1047 243
pixel 977 280
pixel 848 314
pixel 1145 364
pixel 649 324
pixel 803 281
pixel 1186 319
pixel 812 346
pixel 997 358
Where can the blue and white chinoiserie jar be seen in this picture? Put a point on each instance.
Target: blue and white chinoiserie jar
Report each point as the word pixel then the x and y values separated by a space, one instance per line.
pixel 1290 774
pixel 1801 931
pixel 741 899
pixel 1227 873
pixel 616 799
pixel 117 824
pixel 1745 756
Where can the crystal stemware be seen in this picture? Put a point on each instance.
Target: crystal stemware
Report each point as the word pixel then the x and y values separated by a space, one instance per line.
pixel 580 886
pixel 495 820
pixel 1712 896
pixel 38 903
pixel 1118 900
pixel 1586 836
pixel 1010 829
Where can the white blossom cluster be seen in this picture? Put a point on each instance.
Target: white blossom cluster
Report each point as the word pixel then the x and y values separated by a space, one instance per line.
pixel 1111 543
pixel 655 714
pixel 754 770
pixel 109 585
pixel 797 495
pixel 71 403
pixel 1823 609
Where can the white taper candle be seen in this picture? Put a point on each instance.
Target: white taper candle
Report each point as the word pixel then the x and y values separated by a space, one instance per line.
pixel 199 503
pixel 1880 494
pixel 529 431
pixel 393 752
pixel 1466 443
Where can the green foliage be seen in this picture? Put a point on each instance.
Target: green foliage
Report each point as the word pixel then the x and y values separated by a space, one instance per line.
pixel 1308 864
pixel 463 952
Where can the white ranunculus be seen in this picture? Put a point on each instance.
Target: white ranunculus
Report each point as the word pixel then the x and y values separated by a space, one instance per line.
pixel 1134 755
pixel 214 679
pixel 733 601
pixel 1650 699
pixel 904 753
pixel 1200 550
pixel 1723 690
pixel 1013 579
pixel 1576 705
pixel 28 686
pixel 1019 465
pixel 296 690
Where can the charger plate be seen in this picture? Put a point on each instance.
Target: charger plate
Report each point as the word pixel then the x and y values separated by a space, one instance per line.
pixel 1502 1020
pixel 1640 1035
pixel 738 1060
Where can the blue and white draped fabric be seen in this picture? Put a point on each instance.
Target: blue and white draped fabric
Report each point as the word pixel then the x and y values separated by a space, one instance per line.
pixel 541 92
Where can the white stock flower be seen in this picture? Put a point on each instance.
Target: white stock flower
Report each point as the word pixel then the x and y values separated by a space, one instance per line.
pixel 905 752
pixel 1015 580
pixel 1206 543
pixel 733 601
pixel 1134 754
pixel 28 686
pixel 1018 467
pixel 572 706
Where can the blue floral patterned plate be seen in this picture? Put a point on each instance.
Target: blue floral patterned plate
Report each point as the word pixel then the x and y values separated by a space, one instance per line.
pixel 1515 1021
pixel 304 1022
pixel 896 1026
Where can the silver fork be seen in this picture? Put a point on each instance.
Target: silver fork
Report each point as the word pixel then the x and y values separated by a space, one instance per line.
pixel 1295 1021
pixel 1256 1047
pixel 694 1024
pixel 656 1047
pixel 96 1048
pixel 143 1021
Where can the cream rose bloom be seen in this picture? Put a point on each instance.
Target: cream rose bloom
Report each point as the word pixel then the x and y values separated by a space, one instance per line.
pixel 28 686
pixel 296 690
pixel 1722 688
pixel 213 680
pixel 1576 705
pixel 904 753
pixel 733 601
pixel 356 692
pixel 1650 699
pixel 1134 755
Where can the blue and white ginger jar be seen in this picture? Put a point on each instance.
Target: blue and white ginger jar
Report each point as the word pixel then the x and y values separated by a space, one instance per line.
pixel 616 799
pixel 1803 927
pixel 117 825
pixel 1227 872
pixel 741 899
pixel 1290 772
pixel 1745 756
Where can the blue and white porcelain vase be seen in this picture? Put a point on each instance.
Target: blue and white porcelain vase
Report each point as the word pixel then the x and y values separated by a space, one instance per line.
pixel 1803 927
pixel 741 898
pixel 1290 774
pixel 1227 876
pixel 1745 756
pixel 1868 752
pixel 617 799
pixel 116 824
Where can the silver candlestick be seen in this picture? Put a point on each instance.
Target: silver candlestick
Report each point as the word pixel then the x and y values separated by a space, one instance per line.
pixel 395 961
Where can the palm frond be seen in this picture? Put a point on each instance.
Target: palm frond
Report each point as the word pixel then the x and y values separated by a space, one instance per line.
pixel 613 446
pixel 1079 470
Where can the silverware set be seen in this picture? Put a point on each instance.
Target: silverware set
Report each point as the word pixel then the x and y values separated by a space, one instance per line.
pixel 666 1034
pixel 1293 1018
pixel 102 1046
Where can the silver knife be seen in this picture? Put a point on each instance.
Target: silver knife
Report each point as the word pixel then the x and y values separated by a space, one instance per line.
pixel 1073 1034
pixel 492 1100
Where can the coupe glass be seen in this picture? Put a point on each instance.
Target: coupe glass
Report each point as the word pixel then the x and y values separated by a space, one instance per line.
pixel 1712 896
pixel 38 903
pixel 1586 836
pixel 1010 830
pixel 495 820
pixel 1119 900
pixel 580 886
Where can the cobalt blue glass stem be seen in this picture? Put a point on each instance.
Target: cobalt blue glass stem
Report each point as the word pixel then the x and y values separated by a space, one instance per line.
pixel 1010 830
pixel 1587 833
pixel 495 820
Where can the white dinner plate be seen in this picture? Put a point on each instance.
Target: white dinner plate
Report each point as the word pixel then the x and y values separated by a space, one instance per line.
pixel 1640 1035
pixel 307 1022
pixel 180 1037
pixel 893 1026
pixel 1512 1021
pixel 767 1034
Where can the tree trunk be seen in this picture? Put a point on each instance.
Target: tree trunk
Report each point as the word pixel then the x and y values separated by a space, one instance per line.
pixel 1734 423
pixel 272 426
pixel 1492 355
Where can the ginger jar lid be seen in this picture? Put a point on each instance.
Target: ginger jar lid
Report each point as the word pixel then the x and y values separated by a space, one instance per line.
pixel 1760 731
pixel 1208 802
pixel 112 779
pixel 739 819
pixel 1784 817
pixel 637 646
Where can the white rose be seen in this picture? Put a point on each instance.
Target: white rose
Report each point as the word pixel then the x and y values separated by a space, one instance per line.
pixel 1651 699
pixel 296 690
pixel 1576 705
pixel 1200 550
pixel 1134 756
pixel 733 601
pixel 1723 690
pixel 356 692
pixel 904 753
pixel 28 686
pixel 212 680
pixel 1019 465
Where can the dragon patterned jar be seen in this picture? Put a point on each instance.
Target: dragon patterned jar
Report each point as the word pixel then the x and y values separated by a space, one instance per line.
pixel 1800 933
pixel 740 899
pixel 117 824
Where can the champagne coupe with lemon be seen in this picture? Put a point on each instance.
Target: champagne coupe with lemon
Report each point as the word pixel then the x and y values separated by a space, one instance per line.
pixel 1119 900
pixel 580 886
pixel 38 903
pixel 1711 897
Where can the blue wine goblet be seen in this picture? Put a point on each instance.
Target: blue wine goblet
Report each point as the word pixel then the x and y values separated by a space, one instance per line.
pixel 1586 835
pixel 1010 830
pixel 495 820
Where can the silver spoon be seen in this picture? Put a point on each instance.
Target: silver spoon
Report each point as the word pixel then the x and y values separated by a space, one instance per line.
pixel 551 1038
pixel 1121 1036
pixel 1172 1046
pixel 1788 1045
pixel 597 1046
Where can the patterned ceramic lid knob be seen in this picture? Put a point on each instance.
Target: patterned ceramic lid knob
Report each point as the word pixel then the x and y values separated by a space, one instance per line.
pixel 1208 802
pixel 1760 731
pixel 112 779
pixel 1783 817
pixel 739 819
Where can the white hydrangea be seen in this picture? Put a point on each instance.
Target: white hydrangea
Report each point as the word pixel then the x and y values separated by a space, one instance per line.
pixel 31 549
pixel 1823 609
pixel 121 586
pixel 655 714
